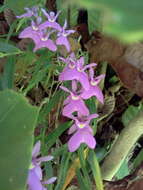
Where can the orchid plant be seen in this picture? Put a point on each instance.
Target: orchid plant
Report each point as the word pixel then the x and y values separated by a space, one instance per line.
pixel 52 94
pixel 35 181
pixel 84 85
pixel 74 71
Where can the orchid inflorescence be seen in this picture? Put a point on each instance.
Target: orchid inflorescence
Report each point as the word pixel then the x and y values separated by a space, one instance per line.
pixel 40 32
pixel 84 84
pixel 35 181
pixel 75 71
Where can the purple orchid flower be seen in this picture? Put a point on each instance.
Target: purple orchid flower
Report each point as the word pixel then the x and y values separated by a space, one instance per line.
pixel 40 37
pixel 44 41
pixel 35 173
pixel 29 13
pixel 75 69
pixel 81 121
pixel 94 90
pixel 83 133
pixel 51 23
pixel 81 136
pixel 32 31
pixel 62 36
pixel 74 103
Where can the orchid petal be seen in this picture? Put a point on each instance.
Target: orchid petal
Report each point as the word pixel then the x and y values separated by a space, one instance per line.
pixel 49 181
pixel 38 172
pixel 75 105
pixel 34 181
pixel 81 136
pixel 45 44
pixel 45 158
pixel 47 24
pixel 89 66
pixel 74 85
pixel 65 89
pixel 63 41
pixel 36 149
pixel 72 129
pixel 93 91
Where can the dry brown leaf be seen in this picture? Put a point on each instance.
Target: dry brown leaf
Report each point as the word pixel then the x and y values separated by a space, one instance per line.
pixel 127 61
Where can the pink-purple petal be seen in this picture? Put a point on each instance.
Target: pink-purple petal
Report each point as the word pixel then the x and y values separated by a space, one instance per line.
pixel 33 181
pixel 47 24
pixel 45 44
pixel 36 149
pixel 38 171
pixel 61 40
pixel 72 129
pixel 49 181
pixel 44 158
pixel 81 136
pixel 75 105
pixel 30 33
pixel 93 91
pixel 71 74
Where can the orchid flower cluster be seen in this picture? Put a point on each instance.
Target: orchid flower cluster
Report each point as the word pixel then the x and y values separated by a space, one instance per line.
pixel 84 84
pixel 40 32
pixel 75 71
pixel 34 181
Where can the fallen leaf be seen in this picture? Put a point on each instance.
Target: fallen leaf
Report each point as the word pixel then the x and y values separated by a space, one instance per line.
pixel 126 60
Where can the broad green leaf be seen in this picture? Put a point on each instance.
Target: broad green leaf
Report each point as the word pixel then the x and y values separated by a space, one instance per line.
pixel 18 6
pixel 17 122
pixel 123 170
pixel 122 19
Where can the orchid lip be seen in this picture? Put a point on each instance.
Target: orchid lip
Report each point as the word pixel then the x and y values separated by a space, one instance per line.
pixel 81 125
pixel 44 39
pixel 51 20
pixel 75 97
pixel 71 66
pixel 35 28
pixel 31 166
pixel 93 83
pixel 64 34
pixel 79 70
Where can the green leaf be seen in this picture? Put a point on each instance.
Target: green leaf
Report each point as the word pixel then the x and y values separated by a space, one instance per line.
pixel 17 122
pixel 123 170
pixel 64 165
pixel 96 171
pixel 2 8
pixel 84 170
pixel 6 80
pixel 50 104
pixel 7 49
pixel 130 113
pixel 122 19
pixel 18 6
pixel 138 160
pixel 53 136
pixel 81 180
pixel 37 76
